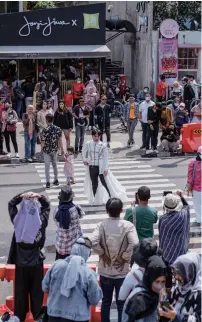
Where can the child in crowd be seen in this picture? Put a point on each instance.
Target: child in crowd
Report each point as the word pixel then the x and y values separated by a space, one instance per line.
pixel 69 165
pixel 68 99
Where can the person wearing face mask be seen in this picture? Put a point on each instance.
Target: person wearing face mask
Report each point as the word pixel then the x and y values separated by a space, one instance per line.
pixel 141 94
pixel 143 112
pixel 186 294
pixel 181 117
pixel 153 117
pixel 142 303
pixel 78 90
pixel 9 120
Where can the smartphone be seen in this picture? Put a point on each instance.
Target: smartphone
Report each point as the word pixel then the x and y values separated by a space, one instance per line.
pixel 166 192
pixel 166 304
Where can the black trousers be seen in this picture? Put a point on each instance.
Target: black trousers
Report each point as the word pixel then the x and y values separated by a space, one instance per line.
pixel 28 281
pixel 107 132
pixel 1 140
pixel 94 174
pixel 11 135
pixel 145 135
pixel 53 319
pixel 153 134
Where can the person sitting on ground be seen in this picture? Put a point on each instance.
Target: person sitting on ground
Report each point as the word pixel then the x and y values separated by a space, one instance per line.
pixel 143 216
pixel 141 253
pixel 170 139
pixel 142 303
pixel 30 223
pixel 113 240
pixel 72 286
pixel 181 117
pixel 186 294
pixel 67 217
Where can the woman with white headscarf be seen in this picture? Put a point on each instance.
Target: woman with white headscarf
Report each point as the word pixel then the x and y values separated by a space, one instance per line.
pixel 186 295
pixel 72 286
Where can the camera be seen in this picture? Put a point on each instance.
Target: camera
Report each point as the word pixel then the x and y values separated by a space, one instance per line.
pixel 166 193
pixel 109 8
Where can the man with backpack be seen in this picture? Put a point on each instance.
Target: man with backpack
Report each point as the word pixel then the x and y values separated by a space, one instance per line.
pixel 113 240
pixel 18 94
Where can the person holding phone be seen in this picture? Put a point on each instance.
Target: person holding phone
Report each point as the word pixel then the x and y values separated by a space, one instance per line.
pixel 186 294
pixel 174 229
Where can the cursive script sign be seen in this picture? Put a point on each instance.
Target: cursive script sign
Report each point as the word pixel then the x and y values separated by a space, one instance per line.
pixel 45 27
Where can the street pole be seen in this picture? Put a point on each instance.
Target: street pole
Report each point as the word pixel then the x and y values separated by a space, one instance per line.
pixel 20 8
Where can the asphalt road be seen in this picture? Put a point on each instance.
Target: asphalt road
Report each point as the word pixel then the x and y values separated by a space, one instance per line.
pixel 19 178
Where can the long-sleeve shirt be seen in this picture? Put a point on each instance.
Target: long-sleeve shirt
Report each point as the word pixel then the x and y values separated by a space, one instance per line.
pixel 96 154
pixel 196 183
pixel 153 116
pixel 174 233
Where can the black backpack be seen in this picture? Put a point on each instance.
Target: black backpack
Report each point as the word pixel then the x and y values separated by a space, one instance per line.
pixel 18 92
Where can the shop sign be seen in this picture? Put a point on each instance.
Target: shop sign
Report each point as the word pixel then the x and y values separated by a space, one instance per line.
pixel 169 28
pixel 168 59
pixel 78 25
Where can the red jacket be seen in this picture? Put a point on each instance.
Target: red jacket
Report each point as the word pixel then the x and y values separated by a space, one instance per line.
pixel 77 89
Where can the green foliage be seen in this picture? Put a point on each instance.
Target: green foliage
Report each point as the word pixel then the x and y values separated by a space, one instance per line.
pixel 181 11
pixel 37 5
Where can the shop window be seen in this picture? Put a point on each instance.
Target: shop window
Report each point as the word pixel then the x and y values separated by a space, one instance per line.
pixel 70 69
pixel 8 69
pixel 91 69
pixel 27 67
pixel 187 58
pixel 48 69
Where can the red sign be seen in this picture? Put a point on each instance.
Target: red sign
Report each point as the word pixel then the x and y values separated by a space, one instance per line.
pixel 168 59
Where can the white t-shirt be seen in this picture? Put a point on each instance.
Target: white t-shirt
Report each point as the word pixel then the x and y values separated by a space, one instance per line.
pixel 143 108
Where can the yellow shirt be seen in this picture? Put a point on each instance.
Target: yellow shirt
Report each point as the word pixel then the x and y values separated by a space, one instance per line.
pixel 132 114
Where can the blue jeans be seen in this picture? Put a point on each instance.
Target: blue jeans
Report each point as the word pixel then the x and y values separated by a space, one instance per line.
pixel 18 107
pixel 30 145
pixel 108 285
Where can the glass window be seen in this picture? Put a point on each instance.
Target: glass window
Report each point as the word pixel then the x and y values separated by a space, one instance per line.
pixel 91 69
pixel 48 69
pixel 27 67
pixel 8 69
pixel 71 68
pixel 187 58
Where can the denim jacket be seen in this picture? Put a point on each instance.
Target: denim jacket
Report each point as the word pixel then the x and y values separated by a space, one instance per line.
pixel 126 111
pixel 77 306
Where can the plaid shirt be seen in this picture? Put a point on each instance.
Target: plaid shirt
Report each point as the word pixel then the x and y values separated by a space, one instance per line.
pixel 65 238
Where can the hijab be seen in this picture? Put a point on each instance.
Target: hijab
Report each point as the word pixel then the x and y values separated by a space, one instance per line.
pixel 145 302
pixel 189 268
pixel 74 271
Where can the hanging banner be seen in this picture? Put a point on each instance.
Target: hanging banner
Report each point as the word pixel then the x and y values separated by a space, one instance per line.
pixel 168 59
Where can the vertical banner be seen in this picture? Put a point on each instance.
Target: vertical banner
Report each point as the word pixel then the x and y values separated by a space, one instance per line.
pixel 168 59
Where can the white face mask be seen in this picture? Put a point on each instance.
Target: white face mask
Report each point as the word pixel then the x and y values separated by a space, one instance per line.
pixel 78 81
pixel 69 92
pixel 145 90
pixel 147 98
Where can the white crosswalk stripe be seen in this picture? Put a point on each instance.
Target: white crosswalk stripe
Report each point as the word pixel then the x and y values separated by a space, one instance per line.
pixel 131 174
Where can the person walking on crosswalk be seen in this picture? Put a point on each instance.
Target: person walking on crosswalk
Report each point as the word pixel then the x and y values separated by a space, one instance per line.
pixel 99 184
pixel 131 115
pixel 51 141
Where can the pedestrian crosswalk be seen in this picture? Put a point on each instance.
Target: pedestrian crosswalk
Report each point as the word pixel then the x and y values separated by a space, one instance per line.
pixel 132 174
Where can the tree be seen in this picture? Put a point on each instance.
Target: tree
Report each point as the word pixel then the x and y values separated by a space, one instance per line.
pixel 37 5
pixel 181 11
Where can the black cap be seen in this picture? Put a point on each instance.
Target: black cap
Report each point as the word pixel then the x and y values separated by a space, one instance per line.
pixel 142 251
pixel 66 194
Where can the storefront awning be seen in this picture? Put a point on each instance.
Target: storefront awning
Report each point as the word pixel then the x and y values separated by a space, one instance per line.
pixel 60 52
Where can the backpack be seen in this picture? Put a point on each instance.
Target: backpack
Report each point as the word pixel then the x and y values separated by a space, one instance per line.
pixel 18 92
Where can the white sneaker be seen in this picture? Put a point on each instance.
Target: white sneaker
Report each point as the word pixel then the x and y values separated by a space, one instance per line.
pixel 17 155
pixel 8 155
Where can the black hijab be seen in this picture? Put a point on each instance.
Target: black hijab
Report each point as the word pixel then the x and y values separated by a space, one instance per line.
pixel 145 302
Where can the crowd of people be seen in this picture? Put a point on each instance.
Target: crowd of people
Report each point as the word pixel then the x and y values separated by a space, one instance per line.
pixel 84 107
pixel 151 282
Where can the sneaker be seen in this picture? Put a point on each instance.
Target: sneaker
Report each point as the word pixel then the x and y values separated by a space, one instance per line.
pixel 17 155
pixel 128 145
pixel 8 155
pixel 34 158
pixel 108 145
pixel 56 183
pixel 72 182
pixel 47 185
pixel 59 153
pixel 133 142
pixel 80 150
pixel 143 147
pixel 3 152
pixel 29 160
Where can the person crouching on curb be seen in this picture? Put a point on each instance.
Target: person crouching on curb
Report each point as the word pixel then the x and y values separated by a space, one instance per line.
pixel 72 286
pixel 30 223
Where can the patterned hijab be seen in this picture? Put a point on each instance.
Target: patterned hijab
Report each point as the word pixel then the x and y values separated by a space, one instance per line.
pixel 189 268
